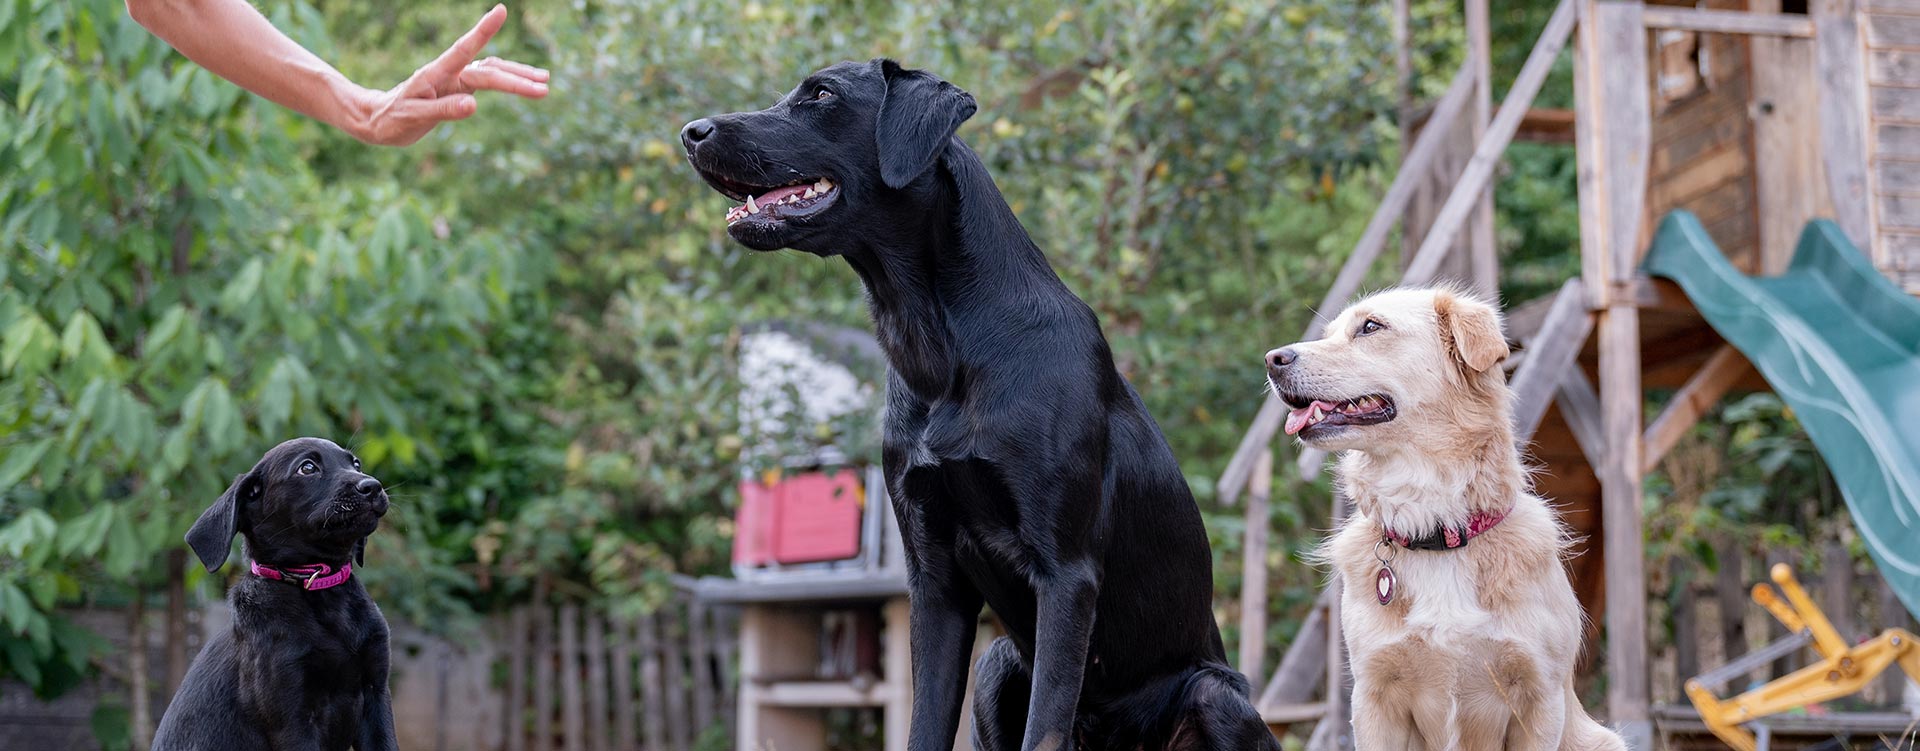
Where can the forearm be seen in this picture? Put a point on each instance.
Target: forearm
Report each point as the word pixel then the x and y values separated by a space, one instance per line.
pixel 231 39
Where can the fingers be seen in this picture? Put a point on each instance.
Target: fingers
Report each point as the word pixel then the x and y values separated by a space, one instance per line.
pixel 522 70
pixel 492 74
pixel 463 51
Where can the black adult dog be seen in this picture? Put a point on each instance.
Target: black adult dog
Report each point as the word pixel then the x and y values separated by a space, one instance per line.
pixel 305 664
pixel 1025 471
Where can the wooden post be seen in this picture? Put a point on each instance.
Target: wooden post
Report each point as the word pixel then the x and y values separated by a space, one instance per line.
pixel 672 636
pixel 702 667
pixel 1686 631
pixel 899 707
pixel 1253 593
pixel 516 709
pixel 1840 85
pixel 1789 186
pixel 1613 132
pixel 543 659
pixel 1891 614
pixel 1836 589
pixel 625 729
pixel 1483 257
pixel 1730 586
pixel 572 703
pixel 655 719
pixel 597 656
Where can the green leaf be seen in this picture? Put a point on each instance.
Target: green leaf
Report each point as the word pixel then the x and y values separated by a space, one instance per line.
pixel 28 347
pixel 124 551
pixel 87 532
pixel 240 291
pixel 18 608
pixel 20 462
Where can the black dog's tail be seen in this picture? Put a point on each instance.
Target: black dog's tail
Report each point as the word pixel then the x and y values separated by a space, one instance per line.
pixel 1202 708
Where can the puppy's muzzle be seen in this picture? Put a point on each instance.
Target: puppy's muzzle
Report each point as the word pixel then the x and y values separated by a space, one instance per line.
pixel 369 491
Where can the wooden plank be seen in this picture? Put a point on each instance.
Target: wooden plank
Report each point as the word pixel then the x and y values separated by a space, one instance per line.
pixel 1580 410
pixel 1253 570
pixel 1789 183
pixel 1893 67
pixel 1723 104
pixel 543 682
pixel 1896 177
pixel 1486 156
pixel 1723 369
pixel 726 652
pixel 597 656
pixel 702 662
pixel 1483 257
pixel 652 692
pixel 1627 689
pixel 1726 21
pixel 1730 585
pixel 1902 251
pixel 572 703
pixel 899 659
pixel 1890 613
pixel 1726 163
pixel 1895 104
pixel 1887 31
pixel 1899 211
pixel 1304 667
pixel 674 660
pixel 1673 152
pixel 1836 590
pixel 1686 636
pixel 515 715
pixel 1550 354
pixel 626 736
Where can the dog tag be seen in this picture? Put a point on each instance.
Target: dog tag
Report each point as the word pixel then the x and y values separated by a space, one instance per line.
pixel 1383 584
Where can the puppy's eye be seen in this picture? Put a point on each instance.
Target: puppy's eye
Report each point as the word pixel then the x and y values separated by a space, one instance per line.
pixel 1370 326
pixel 822 93
pixel 307 467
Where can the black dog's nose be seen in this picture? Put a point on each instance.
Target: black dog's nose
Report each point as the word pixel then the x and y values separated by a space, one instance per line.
pixel 367 486
pixel 1281 357
pixel 695 132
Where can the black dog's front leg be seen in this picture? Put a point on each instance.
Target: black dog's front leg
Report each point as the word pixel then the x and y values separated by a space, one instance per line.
pixel 376 707
pixel 943 619
pixel 1067 602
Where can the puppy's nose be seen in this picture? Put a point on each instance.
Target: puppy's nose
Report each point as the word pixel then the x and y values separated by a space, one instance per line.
pixel 1281 357
pixel 695 132
pixel 367 486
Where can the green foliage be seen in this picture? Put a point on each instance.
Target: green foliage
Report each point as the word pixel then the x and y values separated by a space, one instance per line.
pixel 526 325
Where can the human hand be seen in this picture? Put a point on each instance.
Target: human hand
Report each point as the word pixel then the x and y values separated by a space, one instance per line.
pixel 443 90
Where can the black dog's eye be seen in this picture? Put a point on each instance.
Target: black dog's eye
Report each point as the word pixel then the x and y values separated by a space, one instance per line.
pixel 1370 326
pixel 356 462
pixel 822 93
pixel 307 467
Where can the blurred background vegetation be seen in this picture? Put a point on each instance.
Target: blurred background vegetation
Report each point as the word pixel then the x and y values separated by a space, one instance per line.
pixel 526 325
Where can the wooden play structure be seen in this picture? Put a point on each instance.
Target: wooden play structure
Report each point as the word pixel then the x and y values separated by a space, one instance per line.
pixel 1756 116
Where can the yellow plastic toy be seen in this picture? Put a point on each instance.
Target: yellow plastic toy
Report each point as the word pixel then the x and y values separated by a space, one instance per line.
pixel 1842 669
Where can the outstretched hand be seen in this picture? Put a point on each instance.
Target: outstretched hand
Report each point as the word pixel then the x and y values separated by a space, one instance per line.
pixel 443 90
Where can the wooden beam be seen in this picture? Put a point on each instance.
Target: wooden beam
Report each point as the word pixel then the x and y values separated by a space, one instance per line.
pixel 1722 370
pixel 1483 259
pixel 1726 21
pixel 1650 293
pixel 1580 409
pixel 1539 125
pixel 1789 186
pixel 1486 156
pixel 1550 354
pixel 1840 80
pixel 1253 570
pixel 1304 667
pixel 1419 159
pixel 1611 94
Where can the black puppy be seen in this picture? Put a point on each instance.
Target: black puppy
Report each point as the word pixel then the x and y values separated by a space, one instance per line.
pixel 1025 471
pixel 305 664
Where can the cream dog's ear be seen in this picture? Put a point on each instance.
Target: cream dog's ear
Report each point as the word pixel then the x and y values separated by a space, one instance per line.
pixel 1471 329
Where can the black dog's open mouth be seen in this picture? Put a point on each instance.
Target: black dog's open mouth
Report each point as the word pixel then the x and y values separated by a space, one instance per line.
pixel 1371 409
pixel 775 204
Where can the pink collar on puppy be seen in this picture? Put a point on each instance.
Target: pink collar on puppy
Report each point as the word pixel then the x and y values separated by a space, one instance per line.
pixel 312 575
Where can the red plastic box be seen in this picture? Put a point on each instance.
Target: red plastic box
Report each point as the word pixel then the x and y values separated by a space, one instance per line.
pixel 801 518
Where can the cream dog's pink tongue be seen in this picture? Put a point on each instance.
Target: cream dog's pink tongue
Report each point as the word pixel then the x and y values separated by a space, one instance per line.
pixel 1298 419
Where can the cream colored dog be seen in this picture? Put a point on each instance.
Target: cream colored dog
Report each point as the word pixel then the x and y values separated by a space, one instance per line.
pixel 1459 621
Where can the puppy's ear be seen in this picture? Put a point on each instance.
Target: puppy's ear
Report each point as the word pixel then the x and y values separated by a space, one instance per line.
pixel 211 536
pixel 919 116
pixel 1471 329
pixel 360 552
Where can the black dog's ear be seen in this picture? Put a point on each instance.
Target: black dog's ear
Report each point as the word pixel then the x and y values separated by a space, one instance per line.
pixel 211 536
pixel 360 552
pixel 917 119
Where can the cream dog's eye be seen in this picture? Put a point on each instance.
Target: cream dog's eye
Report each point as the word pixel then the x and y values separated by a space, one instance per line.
pixel 308 467
pixel 1370 326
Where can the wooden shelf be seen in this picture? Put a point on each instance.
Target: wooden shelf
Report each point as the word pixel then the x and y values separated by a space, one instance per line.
pixel 822 694
pixel 797 589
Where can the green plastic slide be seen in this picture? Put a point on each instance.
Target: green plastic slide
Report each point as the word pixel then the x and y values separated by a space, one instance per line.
pixel 1841 345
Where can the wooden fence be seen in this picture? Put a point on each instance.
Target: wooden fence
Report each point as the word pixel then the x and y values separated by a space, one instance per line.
pixel 580 680
pixel 1711 619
